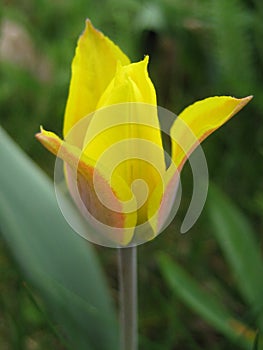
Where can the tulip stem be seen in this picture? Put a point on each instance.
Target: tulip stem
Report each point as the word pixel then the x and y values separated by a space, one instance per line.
pixel 127 264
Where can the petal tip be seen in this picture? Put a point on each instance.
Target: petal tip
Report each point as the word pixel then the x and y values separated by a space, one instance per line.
pixel 39 134
pixel 89 25
pixel 146 58
pixel 247 99
pixel 89 28
pixel 49 140
pixel 243 102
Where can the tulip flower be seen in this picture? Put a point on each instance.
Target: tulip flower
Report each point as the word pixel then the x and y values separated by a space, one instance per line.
pixel 112 149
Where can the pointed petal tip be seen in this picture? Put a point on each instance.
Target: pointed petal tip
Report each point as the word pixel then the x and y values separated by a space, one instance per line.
pixel 49 140
pixel 88 21
pixel 43 133
pixel 243 102
pixel 89 28
pixel 146 58
pixel 89 24
pixel 38 135
pixel 42 130
pixel 246 99
pixel 145 62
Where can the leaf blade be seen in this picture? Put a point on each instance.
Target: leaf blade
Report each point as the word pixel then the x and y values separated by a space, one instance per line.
pixel 44 245
pixel 203 303
pixel 238 243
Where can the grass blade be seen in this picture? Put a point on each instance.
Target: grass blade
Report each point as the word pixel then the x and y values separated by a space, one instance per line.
pixel 239 245
pixel 203 303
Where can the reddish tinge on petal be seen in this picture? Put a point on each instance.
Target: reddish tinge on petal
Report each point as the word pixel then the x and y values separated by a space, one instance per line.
pixel 107 205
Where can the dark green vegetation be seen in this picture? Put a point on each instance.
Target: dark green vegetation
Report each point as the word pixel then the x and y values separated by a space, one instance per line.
pixel 202 290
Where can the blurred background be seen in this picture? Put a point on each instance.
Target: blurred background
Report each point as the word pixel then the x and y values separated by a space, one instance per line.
pixel 197 49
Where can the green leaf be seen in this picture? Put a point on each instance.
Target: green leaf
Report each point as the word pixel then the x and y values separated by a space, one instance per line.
pixel 60 264
pixel 203 303
pixel 238 243
pixel 255 345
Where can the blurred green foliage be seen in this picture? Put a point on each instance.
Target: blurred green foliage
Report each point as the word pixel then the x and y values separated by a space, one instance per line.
pixel 53 258
pixel 197 48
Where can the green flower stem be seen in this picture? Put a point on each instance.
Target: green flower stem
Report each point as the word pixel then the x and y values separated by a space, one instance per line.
pixel 128 297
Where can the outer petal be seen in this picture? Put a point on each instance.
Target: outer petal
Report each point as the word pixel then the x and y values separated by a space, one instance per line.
pixel 198 121
pixel 93 67
pixel 110 204
pixel 191 127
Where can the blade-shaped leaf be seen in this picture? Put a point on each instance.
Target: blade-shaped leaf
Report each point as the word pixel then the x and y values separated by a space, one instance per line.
pixel 203 303
pixel 255 345
pixel 60 264
pixel 239 245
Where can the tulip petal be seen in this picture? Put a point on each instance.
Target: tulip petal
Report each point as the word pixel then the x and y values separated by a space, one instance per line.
pixel 93 68
pixel 126 129
pixel 198 121
pixel 130 84
pixel 109 202
pixel 190 128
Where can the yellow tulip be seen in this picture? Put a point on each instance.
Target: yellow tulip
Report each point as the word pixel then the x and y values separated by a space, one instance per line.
pixel 112 138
